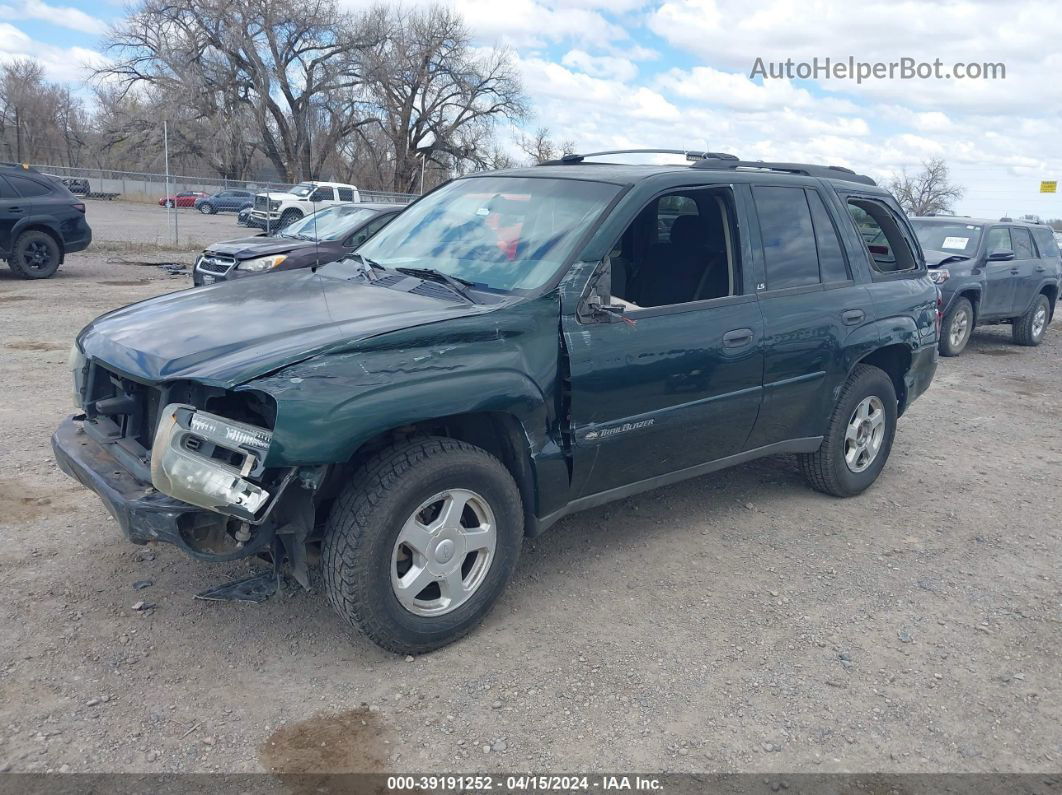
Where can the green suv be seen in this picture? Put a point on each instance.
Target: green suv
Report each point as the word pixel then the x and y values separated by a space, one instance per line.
pixel 514 347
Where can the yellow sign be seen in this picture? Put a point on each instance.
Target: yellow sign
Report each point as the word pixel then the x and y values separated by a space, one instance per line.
pixel 1048 186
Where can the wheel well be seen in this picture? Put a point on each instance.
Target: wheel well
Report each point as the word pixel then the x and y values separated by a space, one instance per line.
pixel 974 297
pixel 895 360
pixel 498 433
pixel 48 231
pixel 1051 291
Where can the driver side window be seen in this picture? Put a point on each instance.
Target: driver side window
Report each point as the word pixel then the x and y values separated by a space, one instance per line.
pixel 680 248
pixel 999 240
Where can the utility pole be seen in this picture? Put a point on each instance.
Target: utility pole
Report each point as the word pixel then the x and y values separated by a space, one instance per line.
pixel 169 193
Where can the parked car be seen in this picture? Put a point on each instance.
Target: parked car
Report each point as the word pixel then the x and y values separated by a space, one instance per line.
pixel 243 218
pixel 512 348
pixel 273 210
pixel 991 272
pixel 320 238
pixel 41 222
pixel 224 201
pixel 183 199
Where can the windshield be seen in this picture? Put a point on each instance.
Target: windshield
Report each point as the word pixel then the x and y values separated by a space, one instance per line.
pixel 953 237
pixel 505 233
pixel 302 189
pixel 333 223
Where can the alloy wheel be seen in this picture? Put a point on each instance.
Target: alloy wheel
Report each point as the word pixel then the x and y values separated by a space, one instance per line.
pixel 443 552
pixel 865 434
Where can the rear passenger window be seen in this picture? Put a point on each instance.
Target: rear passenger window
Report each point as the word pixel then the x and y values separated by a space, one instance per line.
pixel 1045 241
pixel 1023 245
pixel 884 241
pixel 322 195
pixel 788 237
pixel 28 188
pixel 832 264
pixel 346 194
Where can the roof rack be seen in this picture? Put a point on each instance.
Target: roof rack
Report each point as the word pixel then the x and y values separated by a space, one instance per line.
pixel 571 159
pixel 23 166
pixel 803 169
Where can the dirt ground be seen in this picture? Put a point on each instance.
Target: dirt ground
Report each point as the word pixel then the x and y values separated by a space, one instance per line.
pixel 736 622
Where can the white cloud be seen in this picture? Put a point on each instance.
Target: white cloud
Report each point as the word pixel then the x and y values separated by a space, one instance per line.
pixel 63 16
pixel 605 66
pixel 61 64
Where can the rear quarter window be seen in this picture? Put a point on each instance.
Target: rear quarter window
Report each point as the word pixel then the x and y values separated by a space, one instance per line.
pixel 28 188
pixel 1045 243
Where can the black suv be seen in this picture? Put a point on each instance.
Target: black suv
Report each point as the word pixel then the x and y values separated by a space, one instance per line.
pixel 512 348
pixel 991 272
pixel 41 222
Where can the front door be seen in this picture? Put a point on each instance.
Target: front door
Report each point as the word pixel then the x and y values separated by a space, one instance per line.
pixel 1001 277
pixel 1030 269
pixel 677 381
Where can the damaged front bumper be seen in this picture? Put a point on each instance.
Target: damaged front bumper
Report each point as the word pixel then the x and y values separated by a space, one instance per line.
pixel 200 499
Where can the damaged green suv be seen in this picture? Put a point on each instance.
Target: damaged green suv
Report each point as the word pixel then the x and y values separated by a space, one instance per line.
pixel 514 347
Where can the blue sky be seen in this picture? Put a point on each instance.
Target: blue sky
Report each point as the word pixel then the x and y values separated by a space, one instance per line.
pixel 626 73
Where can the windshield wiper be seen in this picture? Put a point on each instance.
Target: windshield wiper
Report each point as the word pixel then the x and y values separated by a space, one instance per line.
pixel 455 283
pixel 367 266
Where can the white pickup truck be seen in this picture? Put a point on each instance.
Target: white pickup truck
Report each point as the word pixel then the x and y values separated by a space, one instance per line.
pixel 275 210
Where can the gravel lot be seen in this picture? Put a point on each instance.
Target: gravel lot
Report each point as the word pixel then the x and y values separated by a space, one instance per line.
pixel 118 225
pixel 737 622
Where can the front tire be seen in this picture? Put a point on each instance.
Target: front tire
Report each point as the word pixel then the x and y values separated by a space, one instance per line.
pixel 35 255
pixel 858 437
pixel 421 543
pixel 289 217
pixel 956 327
pixel 1029 329
pixel 207 209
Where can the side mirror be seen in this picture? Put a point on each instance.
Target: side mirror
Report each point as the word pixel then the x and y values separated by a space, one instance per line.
pixel 1001 256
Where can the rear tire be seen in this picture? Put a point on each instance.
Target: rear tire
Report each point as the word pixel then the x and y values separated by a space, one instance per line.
pixel 1029 329
pixel 35 255
pixel 956 328
pixel 852 454
pixel 373 577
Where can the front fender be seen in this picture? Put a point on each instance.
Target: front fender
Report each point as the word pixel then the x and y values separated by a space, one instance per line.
pixel 324 418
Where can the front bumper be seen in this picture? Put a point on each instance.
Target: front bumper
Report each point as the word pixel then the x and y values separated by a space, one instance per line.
pixel 143 513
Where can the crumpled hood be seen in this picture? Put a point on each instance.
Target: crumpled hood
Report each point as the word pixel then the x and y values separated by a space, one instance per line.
pixel 936 258
pixel 256 246
pixel 229 333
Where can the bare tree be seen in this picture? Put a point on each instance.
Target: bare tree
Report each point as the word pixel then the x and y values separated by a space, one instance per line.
pixel 293 67
pixel 39 121
pixel 433 97
pixel 539 147
pixel 929 191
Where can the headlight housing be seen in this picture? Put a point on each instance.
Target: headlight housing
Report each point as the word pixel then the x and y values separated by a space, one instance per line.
pixel 939 275
pixel 207 460
pixel 77 363
pixel 259 264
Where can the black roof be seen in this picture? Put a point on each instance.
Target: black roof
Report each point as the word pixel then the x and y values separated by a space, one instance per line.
pixel 576 166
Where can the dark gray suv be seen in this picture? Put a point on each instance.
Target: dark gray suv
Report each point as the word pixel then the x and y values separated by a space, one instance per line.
pixel 991 272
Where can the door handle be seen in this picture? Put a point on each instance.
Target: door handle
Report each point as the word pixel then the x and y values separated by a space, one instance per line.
pixel 737 338
pixel 853 316
pixel 14 210
pixel 1041 269
pixel 1015 271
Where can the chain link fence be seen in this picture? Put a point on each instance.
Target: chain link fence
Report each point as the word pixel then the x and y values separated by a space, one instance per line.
pixel 138 186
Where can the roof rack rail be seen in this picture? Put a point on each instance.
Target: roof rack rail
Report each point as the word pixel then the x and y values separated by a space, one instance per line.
pixel 571 159
pixel 23 166
pixel 804 169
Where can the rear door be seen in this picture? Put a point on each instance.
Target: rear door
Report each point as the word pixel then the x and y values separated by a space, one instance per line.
pixel 12 208
pixel 1000 295
pixel 810 305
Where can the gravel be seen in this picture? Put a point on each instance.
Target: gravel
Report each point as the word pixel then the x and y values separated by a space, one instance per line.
pixel 912 629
